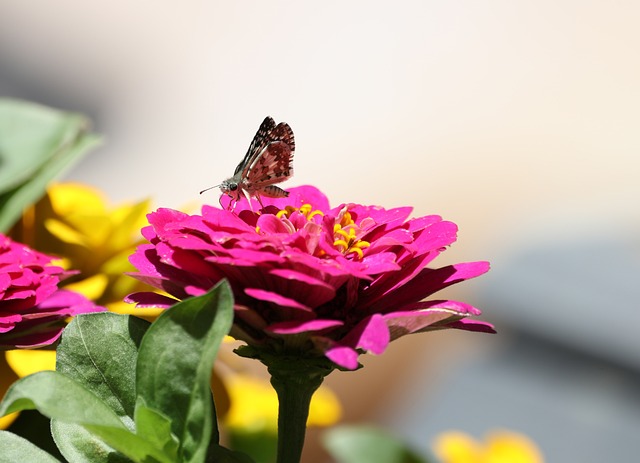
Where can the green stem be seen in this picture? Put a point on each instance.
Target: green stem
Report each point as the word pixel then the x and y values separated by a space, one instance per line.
pixel 295 384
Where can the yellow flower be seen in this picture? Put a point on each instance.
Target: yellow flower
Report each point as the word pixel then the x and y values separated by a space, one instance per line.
pixel 498 447
pixel 76 223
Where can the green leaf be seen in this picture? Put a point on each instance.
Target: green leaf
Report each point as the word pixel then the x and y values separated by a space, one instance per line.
pixel 155 428
pixel 57 396
pixel 135 447
pixel 15 448
pixel 367 444
pixel 36 145
pixel 79 445
pixel 99 351
pixel 174 367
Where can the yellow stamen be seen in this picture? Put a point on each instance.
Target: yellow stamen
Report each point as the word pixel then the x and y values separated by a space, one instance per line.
pixel 357 250
pixel 341 243
pixel 341 232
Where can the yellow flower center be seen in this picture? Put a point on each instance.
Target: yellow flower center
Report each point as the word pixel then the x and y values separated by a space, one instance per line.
pixel 305 209
pixel 346 234
pixel 345 231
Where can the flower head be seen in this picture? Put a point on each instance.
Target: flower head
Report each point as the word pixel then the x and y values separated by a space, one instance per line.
pixel 307 278
pixel 32 308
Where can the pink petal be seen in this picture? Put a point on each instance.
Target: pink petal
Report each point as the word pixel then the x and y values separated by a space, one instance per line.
pixel 427 282
pixel 278 301
pixel 461 307
pixel 147 299
pixel 473 325
pixel 296 327
pixel 402 323
pixel 343 356
pixel 381 262
pixel 371 334
pixel 309 291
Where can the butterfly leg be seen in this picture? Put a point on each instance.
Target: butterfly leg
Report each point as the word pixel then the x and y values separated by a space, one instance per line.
pixel 230 205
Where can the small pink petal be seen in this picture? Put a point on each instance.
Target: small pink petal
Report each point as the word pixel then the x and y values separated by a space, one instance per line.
pixel 295 327
pixel 461 307
pixel 147 299
pixel 371 334
pixel 403 323
pixel 277 299
pixel 343 356
pixel 473 325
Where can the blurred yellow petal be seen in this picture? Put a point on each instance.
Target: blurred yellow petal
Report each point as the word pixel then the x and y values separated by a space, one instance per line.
pixel 325 408
pixel 458 447
pixel 72 198
pixel 119 263
pixel 64 232
pixel 511 447
pixel 7 378
pixel 127 220
pixel 95 229
pixel 254 405
pixel 76 223
pixel 92 287
pixel 26 362
pixel 499 447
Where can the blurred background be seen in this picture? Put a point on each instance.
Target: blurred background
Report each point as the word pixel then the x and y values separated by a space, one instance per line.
pixel 519 121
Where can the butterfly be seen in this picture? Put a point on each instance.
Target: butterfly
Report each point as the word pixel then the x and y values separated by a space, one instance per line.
pixel 268 161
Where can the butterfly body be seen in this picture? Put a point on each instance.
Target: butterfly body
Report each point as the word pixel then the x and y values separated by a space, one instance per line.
pixel 268 161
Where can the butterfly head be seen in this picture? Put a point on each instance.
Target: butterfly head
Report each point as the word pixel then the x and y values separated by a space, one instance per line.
pixel 231 187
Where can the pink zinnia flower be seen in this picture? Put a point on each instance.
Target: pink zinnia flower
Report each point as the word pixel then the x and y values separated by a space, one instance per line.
pixel 32 308
pixel 307 278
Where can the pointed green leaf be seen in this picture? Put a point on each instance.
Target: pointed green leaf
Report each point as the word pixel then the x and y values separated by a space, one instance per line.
pixel 57 396
pixel 15 448
pixel 36 145
pixel 174 367
pixel 99 350
pixel 367 444
pixel 135 447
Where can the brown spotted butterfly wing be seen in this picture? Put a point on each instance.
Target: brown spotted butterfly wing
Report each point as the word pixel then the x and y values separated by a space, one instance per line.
pixel 268 161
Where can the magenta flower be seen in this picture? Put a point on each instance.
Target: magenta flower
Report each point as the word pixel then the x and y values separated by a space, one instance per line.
pixel 33 310
pixel 307 278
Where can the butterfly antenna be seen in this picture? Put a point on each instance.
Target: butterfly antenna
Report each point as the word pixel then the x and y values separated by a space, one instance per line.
pixel 210 188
